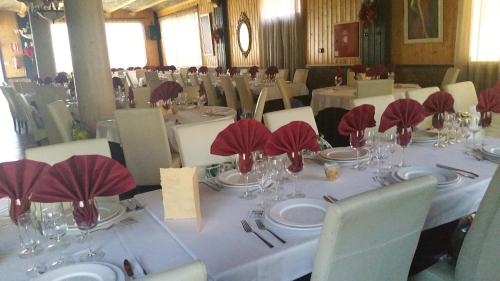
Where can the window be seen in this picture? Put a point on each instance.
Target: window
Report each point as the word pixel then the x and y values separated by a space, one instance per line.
pixel 484 43
pixel 181 39
pixel 279 9
pixel 126 45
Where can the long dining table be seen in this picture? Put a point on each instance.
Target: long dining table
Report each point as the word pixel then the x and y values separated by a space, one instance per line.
pixel 232 254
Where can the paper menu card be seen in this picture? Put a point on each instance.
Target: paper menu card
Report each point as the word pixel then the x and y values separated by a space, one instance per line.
pixel 181 196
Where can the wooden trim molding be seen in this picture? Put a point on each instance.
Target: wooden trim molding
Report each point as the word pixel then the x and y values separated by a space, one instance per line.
pixel 178 8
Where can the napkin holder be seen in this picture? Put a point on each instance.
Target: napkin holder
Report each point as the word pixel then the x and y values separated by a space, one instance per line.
pixel 181 195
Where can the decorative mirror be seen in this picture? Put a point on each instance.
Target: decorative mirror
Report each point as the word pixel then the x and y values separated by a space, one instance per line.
pixel 244 32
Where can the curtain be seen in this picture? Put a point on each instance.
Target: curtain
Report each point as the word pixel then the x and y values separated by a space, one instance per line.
pixel 181 39
pixel 477 47
pixel 282 34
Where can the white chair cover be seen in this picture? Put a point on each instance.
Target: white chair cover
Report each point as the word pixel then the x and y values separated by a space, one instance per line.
pixel 132 78
pixel 195 271
pixel 261 103
pixel 283 73
pixel 246 98
pixel 373 236
pixel 421 95
pixel 380 103
pixel 142 96
pixel 15 107
pixel 351 81
pixel 229 92
pixel 451 76
pixel 212 98
pixel 300 76
pixel 464 95
pixel 285 93
pixel 37 131
pixel 274 120
pixel 44 95
pixel 63 121
pixel 371 88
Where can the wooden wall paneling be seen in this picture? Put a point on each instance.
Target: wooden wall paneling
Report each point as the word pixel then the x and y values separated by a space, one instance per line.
pixel 251 8
pixel 8 23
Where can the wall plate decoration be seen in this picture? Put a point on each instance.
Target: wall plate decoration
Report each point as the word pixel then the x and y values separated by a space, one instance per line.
pixel 346 37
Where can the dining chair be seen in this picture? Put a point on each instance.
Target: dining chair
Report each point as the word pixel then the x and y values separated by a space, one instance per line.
pixel 151 76
pixel 140 73
pixel 132 78
pixel 421 95
pixel 63 121
pixel 195 151
pixel 142 96
pixel 246 98
pixel 380 103
pixel 261 103
pixel 464 94
pixel 36 126
pixel 451 76
pixel 274 120
pixel 194 80
pixel 351 78
pixel 46 94
pixel 16 110
pixel 373 236
pixel 285 93
pixel 212 97
pixel 371 88
pixel 145 156
pixel 195 271
pixel 261 74
pixel 179 78
pixel 480 253
pixel 283 73
pixel 300 75
pixel 229 92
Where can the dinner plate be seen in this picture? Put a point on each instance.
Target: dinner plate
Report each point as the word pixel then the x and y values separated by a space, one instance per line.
pixel 299 213
pixel 424 137
pixel 109 212
pixel 84 272
pixel 342 154
pixel 444 177
pixel 233 178
pixel 491 150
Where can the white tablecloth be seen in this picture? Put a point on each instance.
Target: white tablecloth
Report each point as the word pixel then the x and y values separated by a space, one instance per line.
pixel 232 254
pixel 109 128
pixel 343 96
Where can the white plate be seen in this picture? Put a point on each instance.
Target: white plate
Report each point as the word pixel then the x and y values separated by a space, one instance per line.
pixel 233 178
pixel 342 154
pixel 83 272
pixel 299 213
pixel 491 150
pixel 109 212
pixel 444 177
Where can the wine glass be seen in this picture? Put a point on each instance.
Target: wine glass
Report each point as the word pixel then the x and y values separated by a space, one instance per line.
pixel 293 168
pixel 261 171
pixel 54 227
pixel 86 217
pixel 357 140
pixel 370 136
pixel 244 162
pixel 474 127
pixel 28 235
pixel 438 124
pixel 381 146
pixel 449 119
pixel 403 139
pixel 276 167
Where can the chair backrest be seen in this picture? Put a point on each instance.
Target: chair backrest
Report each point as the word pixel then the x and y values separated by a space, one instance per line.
pixel 246 99
pixel 46 94
pixel 421 95
pixel 61 116
pixel 371 88
pixel 52 154
pixel 351 80
pixel 35 127
pixel 229 92
pixel 195 271
pixel 151 76
pixel 261 103
pixel 480 252
pixel 451 76
pixel 195 151
pixel 212 98
pixel 300 75
pixel 142 96
pixel 132 78
pixel 285 93
pixel 373 236
pixel 274 120
pixel 140 73
pixel 194 80
pixel 464 95
pixel 283 73
pixel 261 74
pixel 380 103
pixel 144 156
pixel 179 78
pixel 15 108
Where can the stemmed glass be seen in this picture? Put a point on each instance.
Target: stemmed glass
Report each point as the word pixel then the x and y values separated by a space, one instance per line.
pixel 438 124
pixel 54 227
pixel 28 235
pixel 244 162
pixel 474 127
pixel 449 119
pixel 86 218
pixel 357 140
pixel 261 171
pixel 381 146
pixel 403 139
pixel 276 165
pixel 293 168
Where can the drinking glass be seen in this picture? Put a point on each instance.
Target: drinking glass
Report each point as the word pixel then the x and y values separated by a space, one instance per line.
pixel 370 135
pixel 403 139
pixel 276 166
pixel 357 140
pixel 294 166
pixel 261 171
pixel 449 119
pixel 438 123
pixel 27 227
pixel 380 149
pixel 244 162
pixel 338 80
pixel 474 127
pixel 54 227
pixel 86 217
pixel 246 115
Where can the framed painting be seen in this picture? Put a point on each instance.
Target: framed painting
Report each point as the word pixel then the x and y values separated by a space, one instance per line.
pixel 206 35
pixel 423 21
pixel 346 39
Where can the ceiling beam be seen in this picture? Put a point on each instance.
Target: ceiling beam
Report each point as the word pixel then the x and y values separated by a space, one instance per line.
pixel 187 3
pixel 178 7
pixel 120 6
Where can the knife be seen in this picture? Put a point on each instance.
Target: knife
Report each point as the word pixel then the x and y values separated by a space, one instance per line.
pixel 456 169
pixel 128 268
pixel 327 199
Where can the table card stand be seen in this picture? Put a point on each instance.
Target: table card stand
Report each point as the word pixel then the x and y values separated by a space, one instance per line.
pixel 181 195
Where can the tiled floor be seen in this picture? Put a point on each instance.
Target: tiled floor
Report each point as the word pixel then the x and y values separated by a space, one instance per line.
pixel 12 145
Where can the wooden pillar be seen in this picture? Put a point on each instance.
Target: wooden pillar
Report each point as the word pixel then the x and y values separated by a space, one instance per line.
pixel 42 39
pixel 89 52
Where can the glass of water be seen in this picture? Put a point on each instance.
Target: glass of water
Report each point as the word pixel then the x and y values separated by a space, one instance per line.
pixel 54 228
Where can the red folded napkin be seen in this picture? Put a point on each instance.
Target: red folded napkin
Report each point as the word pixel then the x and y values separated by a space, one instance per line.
pixel 17 180
pixel 232 71
pixel 404 114
pixel 219 70
pixel 377 70
pixel 130 68
pixel 497 85
pixel 272 71
pixel 358 69
pixel 437 104
pixel 172 68
pixel 253 71
pixel 137 68
pixel 61 78
pixel 242 138
pixel 489 101
pixel 354 123
pixel 166 91
pixel 80 179
pixel 291 139
pixel 391 68
pixel 192 69
pixel 203 69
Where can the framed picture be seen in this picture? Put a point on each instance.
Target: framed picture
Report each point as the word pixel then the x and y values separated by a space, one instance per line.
pixel 423 21
pixel 346 37
pixel 206 35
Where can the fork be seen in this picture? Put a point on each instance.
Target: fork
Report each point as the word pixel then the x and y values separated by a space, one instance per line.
pixel 248 228
pixel 261 226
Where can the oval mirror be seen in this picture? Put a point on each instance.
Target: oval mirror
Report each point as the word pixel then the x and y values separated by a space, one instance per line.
pixel 244 32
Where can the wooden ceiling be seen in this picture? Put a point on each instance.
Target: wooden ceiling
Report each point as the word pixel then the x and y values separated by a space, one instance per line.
pixel 135 6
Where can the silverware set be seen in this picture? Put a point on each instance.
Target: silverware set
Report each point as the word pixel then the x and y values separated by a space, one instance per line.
pixel 261 226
